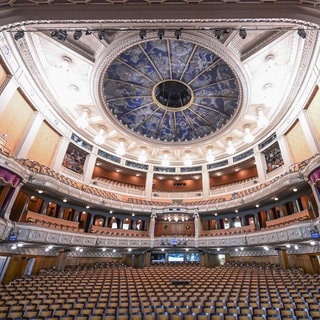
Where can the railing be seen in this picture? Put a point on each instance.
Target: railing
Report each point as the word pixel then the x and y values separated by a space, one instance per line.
pixel 67 185
pixel 118 232
pixel 225 232
pixel 292 218
pixel 51 222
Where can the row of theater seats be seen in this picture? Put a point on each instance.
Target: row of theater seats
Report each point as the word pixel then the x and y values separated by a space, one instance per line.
pixel 120 184
pixel 230 231
pixel 270 224
pixel 35 166
pixel 104 231
pixel 164 292
pixel 232 184
pixel 290 219
pixel 52 222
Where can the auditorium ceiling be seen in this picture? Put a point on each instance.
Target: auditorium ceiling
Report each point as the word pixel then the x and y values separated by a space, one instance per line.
pixel 204 89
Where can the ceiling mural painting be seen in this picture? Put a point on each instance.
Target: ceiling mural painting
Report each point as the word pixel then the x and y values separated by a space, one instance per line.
pixel 171 90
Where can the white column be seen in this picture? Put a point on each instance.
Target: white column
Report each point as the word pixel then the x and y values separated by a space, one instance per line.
pixel 6 94
pixel 205 182
pixel 60 212
pixel 60 153
pixel 152 227
pixel 196 227
pixel 44 207
pixel 260 164
pixel 29 136
pixel 149 183
pixel 309 133
pixel 89 165
pixel 285 151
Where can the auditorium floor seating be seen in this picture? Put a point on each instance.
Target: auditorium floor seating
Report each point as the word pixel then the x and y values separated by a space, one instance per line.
pixel 164 291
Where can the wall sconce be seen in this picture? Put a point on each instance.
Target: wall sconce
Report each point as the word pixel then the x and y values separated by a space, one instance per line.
pixel 143 157
pixel 121 149
pixel 100 137
pixel 83 121
pixel 262 120
pixel 248 137
pixel 165 159
pixel 230 147
pixel 210 156
pixel 187 159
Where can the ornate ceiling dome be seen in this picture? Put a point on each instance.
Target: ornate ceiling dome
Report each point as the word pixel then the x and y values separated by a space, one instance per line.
pixel 171 90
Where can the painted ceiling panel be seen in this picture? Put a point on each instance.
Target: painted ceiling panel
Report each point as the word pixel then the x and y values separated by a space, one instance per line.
pixel 171 90
pixel 180 52
pixel 158 54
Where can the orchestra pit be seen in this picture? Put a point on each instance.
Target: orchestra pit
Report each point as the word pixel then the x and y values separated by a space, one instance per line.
pixel 159 160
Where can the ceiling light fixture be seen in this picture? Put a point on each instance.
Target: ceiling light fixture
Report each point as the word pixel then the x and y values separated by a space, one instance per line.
pixel 230 147
pixel 218 33
pixel 60 34
pixel 82 121
pixel 77 34
pixel 187 159
pixel 165 159
pixel 248 137
pixel 161 34
pixel 242 33
pixel 143 155
pixel 100 137
pixel 121 149
pixel 302 33
pixel 101 34
pixel 177 34
pixel 19 35
pixel 210 156
pixel 262 120
pixel 142 33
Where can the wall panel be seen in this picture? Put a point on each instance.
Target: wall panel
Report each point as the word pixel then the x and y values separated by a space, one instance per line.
pixel 296 138
pixel 14 120
pixel 314 114
pixel 44 146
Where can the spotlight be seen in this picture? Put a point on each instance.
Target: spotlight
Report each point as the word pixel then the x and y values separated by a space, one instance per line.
pixel 19 35
pixel 302 33
pixel 142 33
pixel 77 34
pixel 160 33
pixel 218 33
pixel 177 34
pixel 242 33
pixel 101 34
pixel 59 34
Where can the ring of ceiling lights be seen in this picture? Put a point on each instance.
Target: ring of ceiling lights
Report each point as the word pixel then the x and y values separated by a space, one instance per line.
pixel 204 69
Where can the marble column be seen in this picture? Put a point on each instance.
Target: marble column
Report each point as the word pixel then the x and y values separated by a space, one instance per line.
pixel 149 184
pixel 89 165
pixel 205 182
pixel 260 164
